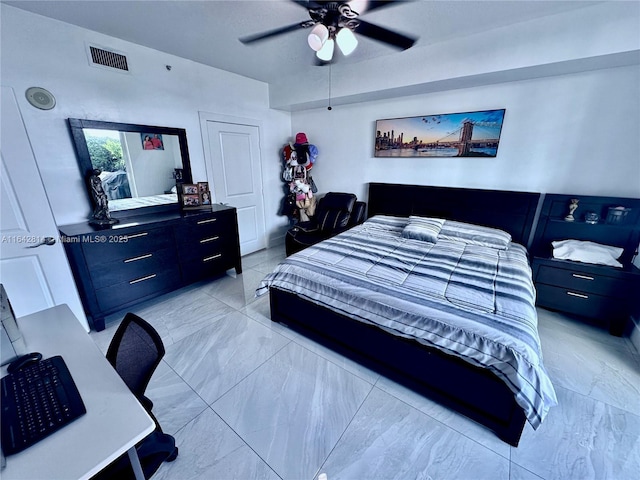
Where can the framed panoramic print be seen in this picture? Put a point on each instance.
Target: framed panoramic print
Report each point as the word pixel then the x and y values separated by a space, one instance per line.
pixel 469 134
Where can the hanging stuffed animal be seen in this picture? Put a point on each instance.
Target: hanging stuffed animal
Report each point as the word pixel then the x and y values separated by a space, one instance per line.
pixel 299 158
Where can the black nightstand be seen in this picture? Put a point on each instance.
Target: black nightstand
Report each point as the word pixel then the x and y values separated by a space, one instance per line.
pixel 598 292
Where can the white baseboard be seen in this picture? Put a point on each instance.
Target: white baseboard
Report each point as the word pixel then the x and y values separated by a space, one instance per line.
pixel 276 238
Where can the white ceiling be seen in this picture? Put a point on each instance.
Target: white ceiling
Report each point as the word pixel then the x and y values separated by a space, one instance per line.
pixel 207 31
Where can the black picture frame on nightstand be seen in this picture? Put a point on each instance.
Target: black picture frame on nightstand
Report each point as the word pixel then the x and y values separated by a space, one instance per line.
pixel 602 293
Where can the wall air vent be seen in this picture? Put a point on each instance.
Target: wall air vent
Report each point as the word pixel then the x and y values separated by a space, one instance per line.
pixel 101 57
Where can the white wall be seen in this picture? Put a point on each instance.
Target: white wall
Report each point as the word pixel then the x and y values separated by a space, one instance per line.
pixel 606 34
pixel 37 51
pixel 151 171
pixel 574 134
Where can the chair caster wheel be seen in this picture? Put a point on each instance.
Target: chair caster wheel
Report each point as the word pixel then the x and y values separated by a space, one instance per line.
pixel 173 455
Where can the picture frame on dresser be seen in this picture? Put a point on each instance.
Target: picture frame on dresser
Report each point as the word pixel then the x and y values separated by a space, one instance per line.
pixel 605 295
pixel 190 200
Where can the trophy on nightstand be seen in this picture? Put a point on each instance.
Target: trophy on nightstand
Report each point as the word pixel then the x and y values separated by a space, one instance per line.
pixel 572 208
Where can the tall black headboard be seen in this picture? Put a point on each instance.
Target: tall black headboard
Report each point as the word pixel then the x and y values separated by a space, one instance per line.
pixel 513 212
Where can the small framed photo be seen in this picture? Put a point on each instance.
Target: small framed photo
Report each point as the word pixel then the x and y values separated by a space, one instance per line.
pixel 190 200
pixel 190 189
pixel 205 194
pixel 152 141
pixel 203 187
pixel 196 196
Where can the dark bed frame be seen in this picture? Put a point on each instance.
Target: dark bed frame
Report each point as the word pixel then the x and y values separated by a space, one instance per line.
pixel 475 392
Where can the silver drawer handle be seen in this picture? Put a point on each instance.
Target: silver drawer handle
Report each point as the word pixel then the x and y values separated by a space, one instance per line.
pixel 211 220
pixel 141 257
pixel 148 277
pixel 207 240
pixel 212 257
pixel 136 235
pixel 583 277
pixel 579 295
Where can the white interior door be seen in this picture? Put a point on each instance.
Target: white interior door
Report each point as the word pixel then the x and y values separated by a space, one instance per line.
pixel 232 152
pixel 35 277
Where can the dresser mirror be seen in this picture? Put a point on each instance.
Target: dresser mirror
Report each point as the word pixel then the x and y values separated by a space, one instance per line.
pixel 139 164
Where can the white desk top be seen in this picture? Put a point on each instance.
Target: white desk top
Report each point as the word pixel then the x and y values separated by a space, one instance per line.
pixel 115 421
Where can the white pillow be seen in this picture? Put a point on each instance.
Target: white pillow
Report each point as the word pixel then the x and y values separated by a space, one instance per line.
pixel 587 252
pixel 423 228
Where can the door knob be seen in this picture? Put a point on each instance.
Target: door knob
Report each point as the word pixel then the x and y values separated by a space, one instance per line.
pixel 44 241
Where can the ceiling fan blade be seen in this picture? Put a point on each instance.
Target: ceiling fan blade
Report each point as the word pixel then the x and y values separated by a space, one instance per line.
pixel 308 3
pixel 382 34
pixel 370 5
pixel 272 33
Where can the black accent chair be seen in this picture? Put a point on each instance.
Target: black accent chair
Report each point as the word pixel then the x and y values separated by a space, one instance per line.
pixel 335 213
pixel 135 352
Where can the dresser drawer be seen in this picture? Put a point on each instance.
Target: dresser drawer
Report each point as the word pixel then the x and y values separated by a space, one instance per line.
pixel 114 296
pixel 120 271
pixel 103 248
pixel 581 302
pixel 115 268
pixel 198 269
pixel 584 281
pixel 204 248
pixel 220 222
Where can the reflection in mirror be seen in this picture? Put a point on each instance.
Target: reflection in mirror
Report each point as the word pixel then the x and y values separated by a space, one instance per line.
pixel 132 167
pixel 138 163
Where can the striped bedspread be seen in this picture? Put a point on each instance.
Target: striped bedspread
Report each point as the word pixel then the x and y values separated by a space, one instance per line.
pixel 470 301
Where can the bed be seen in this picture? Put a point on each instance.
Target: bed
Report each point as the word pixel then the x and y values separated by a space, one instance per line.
pixel 445 314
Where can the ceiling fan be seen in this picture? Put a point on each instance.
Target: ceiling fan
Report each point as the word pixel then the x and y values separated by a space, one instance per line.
pixel 336 23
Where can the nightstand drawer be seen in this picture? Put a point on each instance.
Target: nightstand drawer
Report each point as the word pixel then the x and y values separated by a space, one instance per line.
pixel 580 302
pixel 583 281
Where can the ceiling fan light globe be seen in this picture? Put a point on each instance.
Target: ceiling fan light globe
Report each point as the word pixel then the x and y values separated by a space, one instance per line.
pixel 347 41
pixel 318 36
pixel 326 52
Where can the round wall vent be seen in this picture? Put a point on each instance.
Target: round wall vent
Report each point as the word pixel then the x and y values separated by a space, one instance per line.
pixel 40 98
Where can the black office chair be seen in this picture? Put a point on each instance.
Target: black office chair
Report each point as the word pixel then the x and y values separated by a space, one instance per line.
pixel 135 352
pixel 335 213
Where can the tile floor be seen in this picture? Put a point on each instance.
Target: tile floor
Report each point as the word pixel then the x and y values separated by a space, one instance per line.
pixel 249 399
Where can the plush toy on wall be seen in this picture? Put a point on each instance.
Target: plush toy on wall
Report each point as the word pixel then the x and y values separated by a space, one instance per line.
pixel 299 158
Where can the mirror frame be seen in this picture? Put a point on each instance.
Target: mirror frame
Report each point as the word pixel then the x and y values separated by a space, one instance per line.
pixel 84 159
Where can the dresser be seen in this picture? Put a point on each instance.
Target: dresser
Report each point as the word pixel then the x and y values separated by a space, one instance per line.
pixel 607 295
pixel 148 255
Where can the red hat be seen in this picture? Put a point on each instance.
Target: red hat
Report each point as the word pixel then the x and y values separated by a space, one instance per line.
pixel 301 138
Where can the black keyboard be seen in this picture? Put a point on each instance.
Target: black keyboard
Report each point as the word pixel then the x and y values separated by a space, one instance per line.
pixel 37 401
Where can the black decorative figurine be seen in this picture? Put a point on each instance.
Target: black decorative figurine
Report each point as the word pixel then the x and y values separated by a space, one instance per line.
pixel 101 215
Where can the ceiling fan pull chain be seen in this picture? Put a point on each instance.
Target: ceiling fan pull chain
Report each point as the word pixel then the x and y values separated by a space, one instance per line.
pixel 329 107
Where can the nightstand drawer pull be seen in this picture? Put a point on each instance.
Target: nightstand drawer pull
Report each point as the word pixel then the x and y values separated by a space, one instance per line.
pixel 579 295
pixel 141 257
pixel 136 235
pixel 148 277
pixel 211 220
pixel 583 277
pixel 212 257
pixel 207 240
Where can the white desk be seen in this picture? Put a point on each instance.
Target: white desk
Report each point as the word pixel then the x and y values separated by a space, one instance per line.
pixel 115 421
